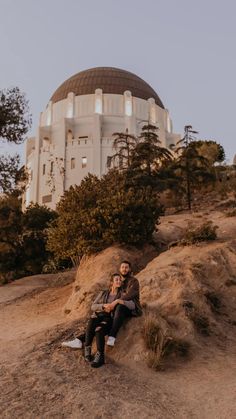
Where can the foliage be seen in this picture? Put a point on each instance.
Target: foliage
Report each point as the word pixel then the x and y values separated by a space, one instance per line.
pixel 123 144
pixel 193 168
pixel 15 119
pixel 101 212
pixel 211 150
pixel 11 228
pixel 12 177
pixel 23 238
pixel 34 255
pixel 149 164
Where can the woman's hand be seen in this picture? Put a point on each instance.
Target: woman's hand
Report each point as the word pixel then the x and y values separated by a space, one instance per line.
pixel 114 303
pixel 107 308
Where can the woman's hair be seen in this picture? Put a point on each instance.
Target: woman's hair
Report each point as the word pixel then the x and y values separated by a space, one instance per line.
pixel 112 277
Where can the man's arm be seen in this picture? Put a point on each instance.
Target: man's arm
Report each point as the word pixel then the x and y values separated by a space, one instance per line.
pixel 132 291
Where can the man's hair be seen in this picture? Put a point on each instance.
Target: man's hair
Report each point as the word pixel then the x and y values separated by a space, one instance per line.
pixel 127 262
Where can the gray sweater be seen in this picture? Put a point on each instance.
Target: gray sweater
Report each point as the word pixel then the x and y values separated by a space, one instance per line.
pixel 105 297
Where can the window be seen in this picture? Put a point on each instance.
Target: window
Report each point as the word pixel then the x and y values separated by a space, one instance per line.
pixel 98 101
pixel 98 105
pixel 51 167
pixel 84 162
pixel 46 199
pixel 44 169
pixel 128 103
pixel 72 163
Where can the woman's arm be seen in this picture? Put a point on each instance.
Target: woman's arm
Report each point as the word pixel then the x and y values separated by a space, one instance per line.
pixel 129 304
pixel 97 305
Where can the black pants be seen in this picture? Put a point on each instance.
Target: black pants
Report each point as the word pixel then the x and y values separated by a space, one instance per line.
pixel 98 327
pixel 120 314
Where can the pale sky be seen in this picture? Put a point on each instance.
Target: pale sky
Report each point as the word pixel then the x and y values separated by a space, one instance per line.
pixel 185 49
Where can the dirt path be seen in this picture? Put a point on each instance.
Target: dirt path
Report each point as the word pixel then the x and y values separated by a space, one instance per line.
pixel 41 380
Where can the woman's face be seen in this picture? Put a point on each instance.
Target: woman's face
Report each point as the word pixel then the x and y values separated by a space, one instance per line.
pixel 117 281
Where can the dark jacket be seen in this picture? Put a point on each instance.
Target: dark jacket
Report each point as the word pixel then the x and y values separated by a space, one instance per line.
pixel 130 291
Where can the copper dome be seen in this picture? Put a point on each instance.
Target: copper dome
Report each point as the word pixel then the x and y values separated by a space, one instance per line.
pixel 110 80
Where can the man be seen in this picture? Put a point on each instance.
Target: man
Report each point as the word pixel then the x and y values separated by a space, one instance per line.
pixel 127 305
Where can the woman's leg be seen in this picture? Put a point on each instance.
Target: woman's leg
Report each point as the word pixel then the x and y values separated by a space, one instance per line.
pixel 90 331
pixel 100 332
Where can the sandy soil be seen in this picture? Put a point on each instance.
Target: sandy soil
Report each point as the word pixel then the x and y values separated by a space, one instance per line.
pixel 39 379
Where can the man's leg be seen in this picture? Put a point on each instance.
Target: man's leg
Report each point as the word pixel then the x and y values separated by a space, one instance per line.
pixel 121 313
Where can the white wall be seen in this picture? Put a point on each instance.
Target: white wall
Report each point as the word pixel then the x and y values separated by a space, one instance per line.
pixel 70 129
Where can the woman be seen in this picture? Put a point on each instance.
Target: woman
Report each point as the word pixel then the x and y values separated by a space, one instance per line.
pixel 100 322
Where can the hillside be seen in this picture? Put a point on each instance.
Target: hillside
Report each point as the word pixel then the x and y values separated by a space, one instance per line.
pixel 180 286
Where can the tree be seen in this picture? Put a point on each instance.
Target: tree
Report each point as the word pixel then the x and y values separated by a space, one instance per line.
pixel 23 238
pixel 124 144
pixel 12 178
pixel 190 165
pixel 34 254
pixel 211 150
pixel 15 119
pixel 11 228
pixel 101 212
pixel 148 158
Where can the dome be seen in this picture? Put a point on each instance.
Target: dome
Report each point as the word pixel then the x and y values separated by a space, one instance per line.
pixel 110 80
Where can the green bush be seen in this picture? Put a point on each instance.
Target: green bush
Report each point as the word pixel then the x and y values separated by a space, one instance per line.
pixel 23 238
pixel 101 212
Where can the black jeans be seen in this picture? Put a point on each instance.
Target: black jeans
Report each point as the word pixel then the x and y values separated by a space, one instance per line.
pixel 120 314
pixel 98 327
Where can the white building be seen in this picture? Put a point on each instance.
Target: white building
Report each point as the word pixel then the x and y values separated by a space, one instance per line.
pixel 74 136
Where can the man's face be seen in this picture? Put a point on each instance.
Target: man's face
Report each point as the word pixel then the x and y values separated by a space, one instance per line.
pixel 124 269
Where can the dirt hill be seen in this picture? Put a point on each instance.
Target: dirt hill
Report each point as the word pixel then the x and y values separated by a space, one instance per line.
pixel 190 291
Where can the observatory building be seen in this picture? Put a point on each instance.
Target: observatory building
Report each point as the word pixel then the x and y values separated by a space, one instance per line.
pixel 75 131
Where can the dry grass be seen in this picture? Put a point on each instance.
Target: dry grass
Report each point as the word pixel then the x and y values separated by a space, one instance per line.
pixel 197 234
pixel 200 322
pixel 160 344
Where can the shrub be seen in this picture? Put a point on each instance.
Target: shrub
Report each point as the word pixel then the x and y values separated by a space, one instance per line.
pixel 101 212
pixel 23 238
pixel 160 344
pixel 204 232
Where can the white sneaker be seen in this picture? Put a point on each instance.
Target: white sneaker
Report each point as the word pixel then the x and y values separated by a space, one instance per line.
pixel 111 341
pixel 74 344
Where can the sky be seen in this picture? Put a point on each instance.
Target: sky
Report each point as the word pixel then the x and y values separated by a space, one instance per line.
pixel 185 49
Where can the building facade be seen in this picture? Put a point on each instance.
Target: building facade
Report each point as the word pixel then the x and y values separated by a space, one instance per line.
pixel 75 133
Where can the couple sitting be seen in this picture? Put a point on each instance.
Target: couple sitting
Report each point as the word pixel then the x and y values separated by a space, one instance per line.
pixel 110 308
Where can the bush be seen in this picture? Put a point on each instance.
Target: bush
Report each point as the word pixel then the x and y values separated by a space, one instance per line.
pixel 160 344
pixel 204 232
pixel 101 212
pixel 23 238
